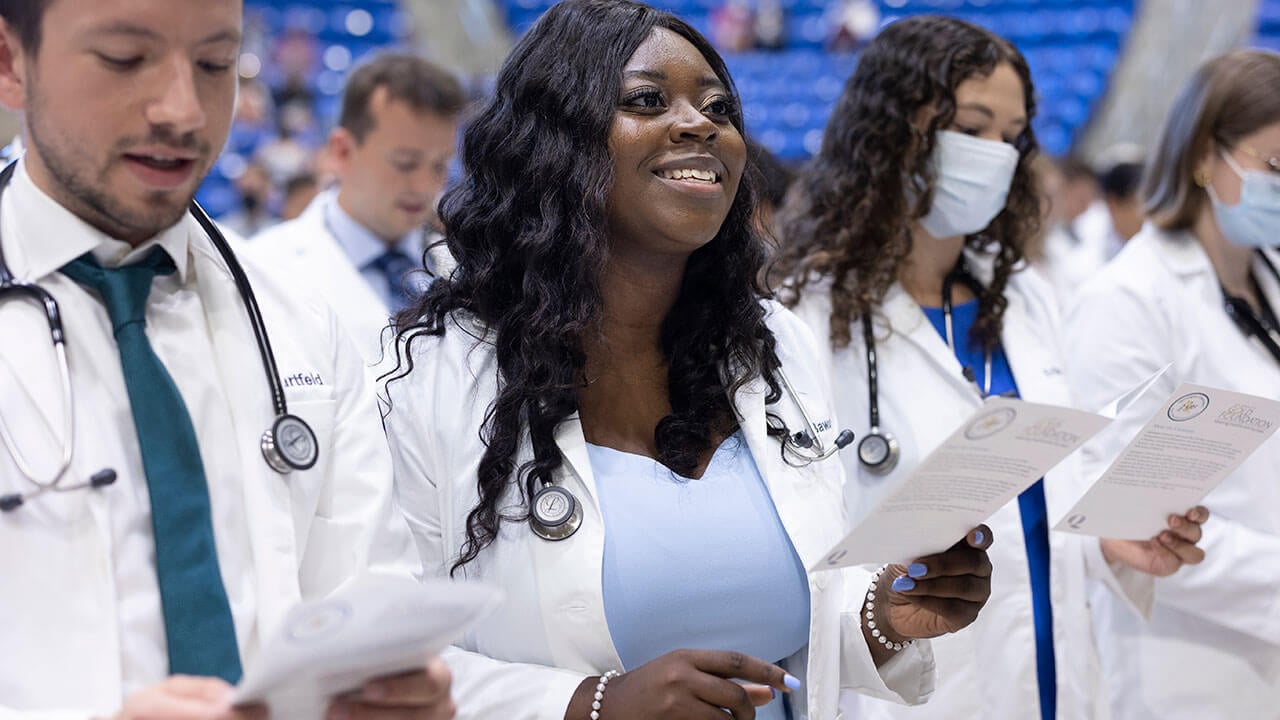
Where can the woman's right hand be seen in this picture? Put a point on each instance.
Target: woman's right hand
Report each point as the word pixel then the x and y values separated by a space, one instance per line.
pixel 686 684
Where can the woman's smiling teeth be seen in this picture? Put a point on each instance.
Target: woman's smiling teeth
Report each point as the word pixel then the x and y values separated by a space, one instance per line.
pixel 705 176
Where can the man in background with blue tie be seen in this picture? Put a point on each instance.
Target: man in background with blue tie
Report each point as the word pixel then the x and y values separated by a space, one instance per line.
pixel 139 576
pixel 363 244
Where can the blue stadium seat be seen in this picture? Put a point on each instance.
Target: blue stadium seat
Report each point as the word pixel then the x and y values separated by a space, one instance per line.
pixel 1070 45
pixel 1268 33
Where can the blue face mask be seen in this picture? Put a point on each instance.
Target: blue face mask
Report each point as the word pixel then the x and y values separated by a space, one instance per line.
pixel 1255 220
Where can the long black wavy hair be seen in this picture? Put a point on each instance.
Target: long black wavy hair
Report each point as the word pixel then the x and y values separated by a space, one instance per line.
pixel 850 223
pixel 528 228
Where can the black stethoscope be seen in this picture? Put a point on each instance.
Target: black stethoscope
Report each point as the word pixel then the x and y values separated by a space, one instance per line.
pixel 555 514
pixel 879 451
pixel 289 444
pixel 1263 327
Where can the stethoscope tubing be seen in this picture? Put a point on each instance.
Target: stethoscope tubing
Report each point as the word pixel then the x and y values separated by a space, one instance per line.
pixel 1247 320
pixel 254 312
pixel 276 458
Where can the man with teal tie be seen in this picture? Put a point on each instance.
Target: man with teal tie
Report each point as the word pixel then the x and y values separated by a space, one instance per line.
pixel 143 590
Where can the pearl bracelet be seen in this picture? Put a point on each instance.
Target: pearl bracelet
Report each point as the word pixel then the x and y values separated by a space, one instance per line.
pixel 871 615
pixel 600 686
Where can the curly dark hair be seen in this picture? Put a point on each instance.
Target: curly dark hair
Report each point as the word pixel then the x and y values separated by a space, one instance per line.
pixel 850 222
pixel 528 227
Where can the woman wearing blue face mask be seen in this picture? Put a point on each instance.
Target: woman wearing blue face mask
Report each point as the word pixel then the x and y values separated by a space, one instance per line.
pixel 904 250
pixel 1198 288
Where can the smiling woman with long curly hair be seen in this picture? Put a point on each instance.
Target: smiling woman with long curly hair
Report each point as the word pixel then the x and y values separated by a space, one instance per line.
pixel 904 254
pixel 590 410
pixel 529 230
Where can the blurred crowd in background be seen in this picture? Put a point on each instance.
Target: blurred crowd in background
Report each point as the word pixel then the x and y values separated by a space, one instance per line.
pixel 789 57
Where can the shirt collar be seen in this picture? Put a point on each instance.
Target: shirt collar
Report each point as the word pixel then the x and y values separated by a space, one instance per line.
pixel 358 242
pixel 48 235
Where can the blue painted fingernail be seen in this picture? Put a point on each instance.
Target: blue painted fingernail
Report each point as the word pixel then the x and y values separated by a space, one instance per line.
pixel 917 570
pixel 791 681
pixel 979 537
pixel 904 584
pixel 773 693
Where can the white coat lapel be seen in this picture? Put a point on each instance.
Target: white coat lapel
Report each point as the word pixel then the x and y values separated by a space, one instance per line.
pixel 363 313
pixel 267 499
pixel 907 319
pixel 573 593
pixel 573 446
pixel 783 481
pixel 1031 350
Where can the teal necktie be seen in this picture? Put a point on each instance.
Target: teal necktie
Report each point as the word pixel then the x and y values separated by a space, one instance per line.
pixel 198 627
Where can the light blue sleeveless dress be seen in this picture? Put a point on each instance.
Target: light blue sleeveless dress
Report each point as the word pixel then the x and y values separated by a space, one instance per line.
pixel 698 564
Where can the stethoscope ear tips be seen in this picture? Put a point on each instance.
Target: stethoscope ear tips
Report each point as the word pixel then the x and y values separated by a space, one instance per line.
pixel 844 438
pixel 102 478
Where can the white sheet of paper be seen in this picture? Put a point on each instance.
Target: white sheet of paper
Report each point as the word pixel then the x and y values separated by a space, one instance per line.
pixel 376 625
pixel 1198 436
pixel 997 453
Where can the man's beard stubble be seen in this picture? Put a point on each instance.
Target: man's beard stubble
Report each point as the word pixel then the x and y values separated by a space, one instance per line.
pixel 90 199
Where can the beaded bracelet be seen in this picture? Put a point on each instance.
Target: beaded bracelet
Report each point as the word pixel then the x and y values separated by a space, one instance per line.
pixel 871 615
pixel 600 686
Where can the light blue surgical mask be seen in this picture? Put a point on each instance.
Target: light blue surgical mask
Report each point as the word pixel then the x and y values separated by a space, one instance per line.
pixel 1255 220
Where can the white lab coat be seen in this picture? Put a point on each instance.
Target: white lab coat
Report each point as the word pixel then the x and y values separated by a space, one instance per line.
pixel 1073 255
pixel 988 670
pixel 60 652
pixel 527 659
pixel 304 251
pixel 1211 649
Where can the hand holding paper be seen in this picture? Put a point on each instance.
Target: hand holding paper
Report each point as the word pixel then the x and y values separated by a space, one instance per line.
pixel 1166 553
pixel 997 453
pixel 1198 436
pixel 375 628
pixel 940 593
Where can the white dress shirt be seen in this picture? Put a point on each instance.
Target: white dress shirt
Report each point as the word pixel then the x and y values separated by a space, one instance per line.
pixel 179 334
pixel 328 254
pixel 364 248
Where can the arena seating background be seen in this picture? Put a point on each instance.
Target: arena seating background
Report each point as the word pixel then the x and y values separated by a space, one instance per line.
pixel 1268 25
pixel 1071 46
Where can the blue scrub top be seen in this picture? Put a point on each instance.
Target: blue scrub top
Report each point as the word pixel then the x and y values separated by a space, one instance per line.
pixel 1031 503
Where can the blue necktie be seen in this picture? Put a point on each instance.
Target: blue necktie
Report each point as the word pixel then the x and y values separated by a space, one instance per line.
pixel 395 266
pixel 198 627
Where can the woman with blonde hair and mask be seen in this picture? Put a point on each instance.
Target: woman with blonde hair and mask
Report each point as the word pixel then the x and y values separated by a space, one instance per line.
pixel 904 252
pixel 1198 288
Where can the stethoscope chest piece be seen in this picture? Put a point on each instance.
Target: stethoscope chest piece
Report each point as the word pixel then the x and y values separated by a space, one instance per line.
pixel 290 445
pixel 554 513
pixel 878 452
